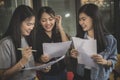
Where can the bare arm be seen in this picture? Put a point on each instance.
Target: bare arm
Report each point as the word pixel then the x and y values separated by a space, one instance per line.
pixel 60 28
pixel 27 53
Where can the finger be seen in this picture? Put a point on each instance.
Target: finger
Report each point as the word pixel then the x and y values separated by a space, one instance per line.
pixel 99 62
pixel 73 50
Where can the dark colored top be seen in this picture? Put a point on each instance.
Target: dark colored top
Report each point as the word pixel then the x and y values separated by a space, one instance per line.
pixel 41 38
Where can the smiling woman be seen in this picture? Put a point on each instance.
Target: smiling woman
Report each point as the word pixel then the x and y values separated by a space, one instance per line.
pixel 65 8
pixel 27 26
pixel 50 30
pixel 18 35
pixel 91 26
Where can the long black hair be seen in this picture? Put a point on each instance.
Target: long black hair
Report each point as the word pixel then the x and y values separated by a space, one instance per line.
pixel 49 11
pixel 41 36
pixel 19 15
pixel 100 31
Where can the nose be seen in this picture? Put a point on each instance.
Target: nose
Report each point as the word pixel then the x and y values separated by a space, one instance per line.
pixel 48 22
pixel 31 28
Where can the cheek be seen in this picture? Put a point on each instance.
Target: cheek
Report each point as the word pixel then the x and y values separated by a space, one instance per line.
pixel 90 24
pixel 53 21
pixel 22 29
pixel 42 24
pixel 80 22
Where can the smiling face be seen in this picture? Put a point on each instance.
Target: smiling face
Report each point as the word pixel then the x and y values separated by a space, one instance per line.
pixel 86 22
pixel 47 21
pixel 27 26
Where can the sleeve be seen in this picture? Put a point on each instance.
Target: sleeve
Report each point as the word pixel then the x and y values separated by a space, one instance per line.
pixel 5 55
pixel 111 51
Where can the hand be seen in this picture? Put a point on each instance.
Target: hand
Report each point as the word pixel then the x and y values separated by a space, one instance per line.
pixel 74 53
pixel 45 58
pixel 26 54
pixel 47 69
pixel 58 22
pixel 99 59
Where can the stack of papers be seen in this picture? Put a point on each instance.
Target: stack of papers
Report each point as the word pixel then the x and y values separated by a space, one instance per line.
pixel 44 65
pixel 86 48
pixel 56 49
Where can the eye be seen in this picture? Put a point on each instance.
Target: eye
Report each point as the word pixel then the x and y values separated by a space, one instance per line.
pixel 43 20
pixel 83 19
pixel 51 19
pixel 29 24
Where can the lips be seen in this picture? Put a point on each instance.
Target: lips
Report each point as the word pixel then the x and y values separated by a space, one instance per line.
pixel 28 32
pixel 48 26
pixel 83 26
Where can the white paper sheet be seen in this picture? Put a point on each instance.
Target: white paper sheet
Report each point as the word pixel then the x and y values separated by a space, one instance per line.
pixel 44 65
pixel 86 48
pixel 56 49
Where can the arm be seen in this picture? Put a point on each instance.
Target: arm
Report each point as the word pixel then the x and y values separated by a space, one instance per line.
pixel 108 57
pixel 8 68
pixel 112 51
pixel 60 28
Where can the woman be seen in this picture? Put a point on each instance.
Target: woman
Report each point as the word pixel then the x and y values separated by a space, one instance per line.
pixel 92 27
pixel 50 30
pixel 18 35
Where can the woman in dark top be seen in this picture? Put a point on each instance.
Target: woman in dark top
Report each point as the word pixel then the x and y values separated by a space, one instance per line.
pixel 50 30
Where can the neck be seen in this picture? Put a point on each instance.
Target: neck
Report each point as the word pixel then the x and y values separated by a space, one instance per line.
pixel 49 33
pixel 91 33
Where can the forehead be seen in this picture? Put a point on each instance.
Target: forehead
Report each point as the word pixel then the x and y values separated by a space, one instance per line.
pixel 81 15
pixel 46 15
pixel 30 18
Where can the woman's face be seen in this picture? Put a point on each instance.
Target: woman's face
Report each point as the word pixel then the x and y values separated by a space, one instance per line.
pixel 27 26
pixel 47 21
pixel 86 22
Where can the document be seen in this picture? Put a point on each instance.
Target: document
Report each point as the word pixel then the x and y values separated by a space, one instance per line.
pixel 86 48
pixel 44 65
pixel 56 49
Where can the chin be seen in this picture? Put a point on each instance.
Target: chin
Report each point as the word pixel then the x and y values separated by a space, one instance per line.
pixel 84 30
pixel 26 34
pixel 48 30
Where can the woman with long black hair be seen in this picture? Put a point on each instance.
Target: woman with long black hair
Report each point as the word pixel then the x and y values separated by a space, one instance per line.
pixel 16 46
pixel 91 27
pixel 50 30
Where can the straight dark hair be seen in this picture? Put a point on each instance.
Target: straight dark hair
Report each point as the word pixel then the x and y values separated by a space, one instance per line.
pixel 49 11
pixel 41 36
pixel 100 31
pixel 21 13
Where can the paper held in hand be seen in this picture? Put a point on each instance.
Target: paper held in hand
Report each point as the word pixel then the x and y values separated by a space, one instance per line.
pixel 86 48
pixel 44 65
pixel 56 49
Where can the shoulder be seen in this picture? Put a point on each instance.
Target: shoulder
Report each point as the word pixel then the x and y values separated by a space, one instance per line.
pixel 7 41
pixel 111 39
